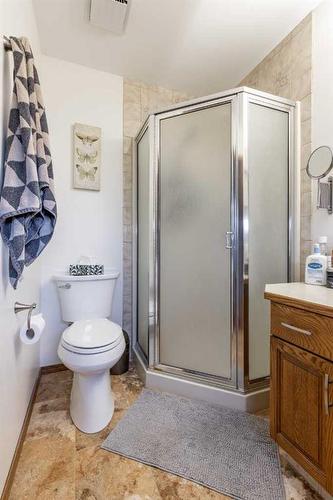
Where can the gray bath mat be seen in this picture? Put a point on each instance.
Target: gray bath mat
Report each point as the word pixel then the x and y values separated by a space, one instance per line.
pixel 226 450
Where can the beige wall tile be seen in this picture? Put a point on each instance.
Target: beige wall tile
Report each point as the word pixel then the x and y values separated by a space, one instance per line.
pixel 285 60
pixel 306 108
pixel 127 178
pixel 250 80
pixel 305 153
pixel 139 83
pixel 306 132
pixel 154 99
pixel 127 251
pixel 279 47
pixel 127 162
pixel 301 47
pixel 127 304
pixel 180 97
pixel 127 215
pixel 127 322
pixel 306 228
pixel 267 76
pixel 127 197
pixel 306 204
pixel 128 144
pixel 283 87
pixel 306 249
pixel 133 127
pixel 127 232
pixel 127 270
pixel 300 83
pixel 305 182
pixel 132 109
pixel 131 93
pixel 127 282
pixel 145 103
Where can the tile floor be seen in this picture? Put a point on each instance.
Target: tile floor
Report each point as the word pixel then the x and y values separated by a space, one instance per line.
pixel 59 462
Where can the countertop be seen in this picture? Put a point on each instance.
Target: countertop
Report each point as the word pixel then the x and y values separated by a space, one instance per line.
pixel 311 297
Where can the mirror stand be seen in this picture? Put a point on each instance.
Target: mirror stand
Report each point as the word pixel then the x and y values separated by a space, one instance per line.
pixel 325 195
pixel 319 165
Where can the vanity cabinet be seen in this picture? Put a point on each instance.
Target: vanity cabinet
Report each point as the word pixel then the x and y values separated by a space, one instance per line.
pixel 301 404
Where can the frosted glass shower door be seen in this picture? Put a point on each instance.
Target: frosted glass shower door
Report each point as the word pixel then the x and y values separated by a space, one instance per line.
pixel 268 225
pixel 195 176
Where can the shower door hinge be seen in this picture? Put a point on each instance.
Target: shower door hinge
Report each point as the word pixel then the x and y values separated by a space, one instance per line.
pixel 229 240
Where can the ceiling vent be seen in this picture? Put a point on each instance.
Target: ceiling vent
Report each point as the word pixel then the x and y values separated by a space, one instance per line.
pixel 110 15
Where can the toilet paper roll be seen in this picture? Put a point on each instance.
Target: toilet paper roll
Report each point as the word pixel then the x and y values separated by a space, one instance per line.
pixel 37 325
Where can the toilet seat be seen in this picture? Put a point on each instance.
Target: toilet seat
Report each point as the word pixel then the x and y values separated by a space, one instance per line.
pixel 89 351
pixel 91 336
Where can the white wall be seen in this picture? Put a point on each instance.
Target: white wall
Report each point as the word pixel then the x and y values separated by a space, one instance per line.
pixel 19 364
pixel 89 222
pixel 322 103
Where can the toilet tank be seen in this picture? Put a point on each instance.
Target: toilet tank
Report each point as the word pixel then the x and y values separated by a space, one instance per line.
pixel 85 297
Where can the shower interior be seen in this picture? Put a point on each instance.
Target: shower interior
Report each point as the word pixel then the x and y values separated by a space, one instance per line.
pixel 216 218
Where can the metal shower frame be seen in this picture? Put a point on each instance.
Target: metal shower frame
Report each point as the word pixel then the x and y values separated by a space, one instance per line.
pixel 239 98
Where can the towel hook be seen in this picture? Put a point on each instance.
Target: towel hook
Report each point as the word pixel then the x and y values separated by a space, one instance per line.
pixel 18 307
pixel 6 43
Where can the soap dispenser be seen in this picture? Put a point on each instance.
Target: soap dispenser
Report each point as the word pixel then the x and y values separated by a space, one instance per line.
pixel 315 267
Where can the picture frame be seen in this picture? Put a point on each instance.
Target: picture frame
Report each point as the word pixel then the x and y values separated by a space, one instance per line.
pixel 86 157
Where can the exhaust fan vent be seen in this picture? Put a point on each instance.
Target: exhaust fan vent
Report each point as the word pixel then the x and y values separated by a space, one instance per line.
pixel 110 15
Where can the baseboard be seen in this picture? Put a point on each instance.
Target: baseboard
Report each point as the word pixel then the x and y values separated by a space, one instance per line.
pixel 53 368
pixel 18 449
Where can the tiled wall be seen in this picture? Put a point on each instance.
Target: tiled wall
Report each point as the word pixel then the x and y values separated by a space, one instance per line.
pixel 139 101
pixel 286 71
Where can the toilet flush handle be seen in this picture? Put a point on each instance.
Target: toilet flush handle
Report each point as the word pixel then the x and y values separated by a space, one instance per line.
pixel 66 286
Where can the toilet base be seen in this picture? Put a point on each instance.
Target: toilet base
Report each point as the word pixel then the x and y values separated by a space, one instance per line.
pixel 92 402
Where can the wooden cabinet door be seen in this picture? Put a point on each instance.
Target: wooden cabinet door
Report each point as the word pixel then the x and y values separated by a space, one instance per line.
pixel 301 408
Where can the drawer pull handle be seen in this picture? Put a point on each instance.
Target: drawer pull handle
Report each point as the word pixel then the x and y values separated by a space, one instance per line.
pixel 327 404
pixel 295 329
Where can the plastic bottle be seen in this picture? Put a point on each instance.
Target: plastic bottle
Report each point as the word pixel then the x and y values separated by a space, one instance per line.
pixel 315 267
pixel 323 244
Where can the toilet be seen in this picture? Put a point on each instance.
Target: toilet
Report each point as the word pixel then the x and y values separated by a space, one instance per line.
pixel 90 346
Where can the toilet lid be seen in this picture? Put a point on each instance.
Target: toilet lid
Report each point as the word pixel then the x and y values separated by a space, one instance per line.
pixel 92 333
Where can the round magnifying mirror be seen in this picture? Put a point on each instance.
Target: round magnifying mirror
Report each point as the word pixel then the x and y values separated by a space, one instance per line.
pixel 320 162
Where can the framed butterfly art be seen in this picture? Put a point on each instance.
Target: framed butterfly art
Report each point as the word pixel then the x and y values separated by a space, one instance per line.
pixel 87 157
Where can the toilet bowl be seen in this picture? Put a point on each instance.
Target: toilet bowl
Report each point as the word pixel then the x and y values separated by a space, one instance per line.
pixel 90 346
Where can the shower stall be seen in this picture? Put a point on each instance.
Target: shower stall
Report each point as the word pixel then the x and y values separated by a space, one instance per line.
pixel 216 218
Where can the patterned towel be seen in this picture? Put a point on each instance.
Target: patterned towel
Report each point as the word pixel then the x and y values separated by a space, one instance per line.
pixel 28 209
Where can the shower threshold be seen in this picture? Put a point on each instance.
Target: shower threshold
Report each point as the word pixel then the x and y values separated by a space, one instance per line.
pixel 166 382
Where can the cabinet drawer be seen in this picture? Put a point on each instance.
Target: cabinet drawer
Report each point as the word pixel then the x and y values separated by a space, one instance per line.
pixel 313 332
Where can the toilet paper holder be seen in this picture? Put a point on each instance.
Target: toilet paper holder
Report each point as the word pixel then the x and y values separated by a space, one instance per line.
pixel 18 307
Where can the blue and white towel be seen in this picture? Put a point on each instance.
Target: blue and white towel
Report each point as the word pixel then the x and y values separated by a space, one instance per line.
pixel 28 209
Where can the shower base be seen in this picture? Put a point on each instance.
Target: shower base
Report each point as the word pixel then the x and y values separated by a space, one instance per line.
pixel 154 379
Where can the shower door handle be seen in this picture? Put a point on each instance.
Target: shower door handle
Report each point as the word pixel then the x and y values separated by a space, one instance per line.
pixel 229 240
